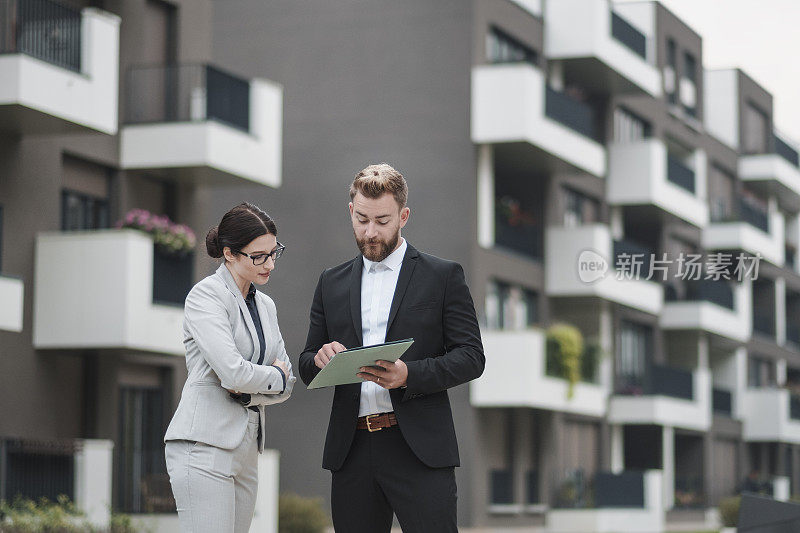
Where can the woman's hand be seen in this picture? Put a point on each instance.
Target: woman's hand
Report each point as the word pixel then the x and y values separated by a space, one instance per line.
pixel 283 366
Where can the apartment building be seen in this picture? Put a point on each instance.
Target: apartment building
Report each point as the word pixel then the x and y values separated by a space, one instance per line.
pixel 528 136
pixel 107 107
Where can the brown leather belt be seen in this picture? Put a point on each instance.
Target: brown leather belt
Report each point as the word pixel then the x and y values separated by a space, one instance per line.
pixel 376 422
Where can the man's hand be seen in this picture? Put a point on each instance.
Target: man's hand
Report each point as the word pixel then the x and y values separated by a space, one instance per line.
pixel 386 374
pixel 326 353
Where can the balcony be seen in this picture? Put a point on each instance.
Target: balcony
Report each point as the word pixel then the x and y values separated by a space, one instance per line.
pixel 752 230
pixel 58 68
pixel 79 469
pixel 644 173
pixel 771 414
pixel 667 396
pixel 717 307
pixel 776 173
pixel 578 261
pixel 12 297
pixel 602 50
pixel 198 123
pixel 512 104
pixel 627 501
pixel 528 385
pixel 126 297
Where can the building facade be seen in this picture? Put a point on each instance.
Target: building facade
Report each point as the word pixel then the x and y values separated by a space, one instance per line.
pixel 528 136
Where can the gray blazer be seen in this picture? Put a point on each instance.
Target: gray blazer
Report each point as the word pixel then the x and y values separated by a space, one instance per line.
pixel 222 349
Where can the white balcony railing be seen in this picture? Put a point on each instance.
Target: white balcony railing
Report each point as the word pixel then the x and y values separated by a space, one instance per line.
pixel 579 262
pixel 643 173
pixel 664 409
pixel 509 105
pixel 94 289
pixel 199 123
pixel 771 414
pixel 528 385
pixel 604 37
pixel 12 296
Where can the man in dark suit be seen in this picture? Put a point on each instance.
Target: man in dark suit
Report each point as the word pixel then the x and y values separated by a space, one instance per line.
pixel 391 443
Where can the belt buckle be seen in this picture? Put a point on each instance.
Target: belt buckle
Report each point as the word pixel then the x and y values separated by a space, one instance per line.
pixel 369 426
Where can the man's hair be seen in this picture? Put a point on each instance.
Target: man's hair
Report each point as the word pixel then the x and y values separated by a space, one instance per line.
pixel 376 180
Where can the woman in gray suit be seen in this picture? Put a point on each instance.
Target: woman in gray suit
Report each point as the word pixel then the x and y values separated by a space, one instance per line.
pixel 237 365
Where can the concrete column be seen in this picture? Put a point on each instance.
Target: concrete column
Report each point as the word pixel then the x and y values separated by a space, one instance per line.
pixel 780 310
pixel 708 466
pixel 556 76
pixel 780 372
pixel 617 448
pixel 740 390
pixel 668 463
pixel 702 351
pixel 265 519
pixel 93 471
pixel 615 222
pixel 607 346
pixel 486 196
pixel 700 164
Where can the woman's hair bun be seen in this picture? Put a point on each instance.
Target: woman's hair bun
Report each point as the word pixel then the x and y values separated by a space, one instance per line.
pixel 212 243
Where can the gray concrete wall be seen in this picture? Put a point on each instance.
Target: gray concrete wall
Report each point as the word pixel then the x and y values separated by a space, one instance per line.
pixel 363 83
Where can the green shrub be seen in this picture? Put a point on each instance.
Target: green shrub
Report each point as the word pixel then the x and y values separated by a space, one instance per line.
pixel 564 350
pixel 301 515
pixel 28 516
pixel 729 510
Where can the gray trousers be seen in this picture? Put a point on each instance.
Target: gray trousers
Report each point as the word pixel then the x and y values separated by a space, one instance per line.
pixel 215 489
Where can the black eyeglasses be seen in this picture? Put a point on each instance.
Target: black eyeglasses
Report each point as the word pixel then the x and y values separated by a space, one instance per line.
pixel 260 259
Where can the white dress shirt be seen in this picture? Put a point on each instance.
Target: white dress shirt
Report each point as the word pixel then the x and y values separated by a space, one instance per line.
pixel 378 282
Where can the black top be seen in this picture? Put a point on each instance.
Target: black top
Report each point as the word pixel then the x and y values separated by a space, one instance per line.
pixel 433 305
pixel 251 306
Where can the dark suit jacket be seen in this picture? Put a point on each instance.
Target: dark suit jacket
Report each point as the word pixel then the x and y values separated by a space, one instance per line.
pixel 433 305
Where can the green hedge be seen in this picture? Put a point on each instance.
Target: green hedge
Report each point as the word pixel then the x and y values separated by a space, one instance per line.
pixel 301 515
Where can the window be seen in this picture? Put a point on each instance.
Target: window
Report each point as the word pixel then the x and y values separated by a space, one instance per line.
pixel 502 48
pixel 81 211
pixel 510 307
pixel 142 483
pixel 579 209
pixel 755 130
pixel 670 72
pixel 689 90
pixel 629 127
pixel 633 343
pixel 721 194
pixel 760 373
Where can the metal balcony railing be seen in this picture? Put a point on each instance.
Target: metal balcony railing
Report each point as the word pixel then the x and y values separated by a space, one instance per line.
pixel 627 253
pixel 783 149
pixel 659 380
pixel 719 292
pixel 680 174
pixel 576 115
pixel 623 490
pixel 753 215
pixel 35 469
pixel 42 29
pixel 183 93
pixel 173 277
pixel 625 33
pixel 722 401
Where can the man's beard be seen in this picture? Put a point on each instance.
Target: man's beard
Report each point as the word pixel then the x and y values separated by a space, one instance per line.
pixel 380 252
